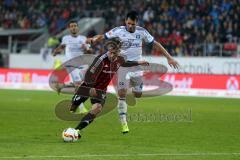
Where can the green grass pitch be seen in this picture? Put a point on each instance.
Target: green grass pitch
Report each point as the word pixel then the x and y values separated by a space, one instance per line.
pixel 29 129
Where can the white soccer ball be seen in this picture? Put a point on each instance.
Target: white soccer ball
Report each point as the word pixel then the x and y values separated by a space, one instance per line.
pixel 70 135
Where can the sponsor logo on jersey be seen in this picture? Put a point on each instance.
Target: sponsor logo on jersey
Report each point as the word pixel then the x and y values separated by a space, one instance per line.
pixel 138 36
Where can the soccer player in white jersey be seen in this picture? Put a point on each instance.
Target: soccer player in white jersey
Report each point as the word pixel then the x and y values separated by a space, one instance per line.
pixel 132 37
pixel 74 45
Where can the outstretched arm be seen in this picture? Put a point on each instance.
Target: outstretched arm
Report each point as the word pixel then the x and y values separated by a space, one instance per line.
pixel 110 34
pixel 171 61
pixel 58 50
pixel 134 63
pixel 95 39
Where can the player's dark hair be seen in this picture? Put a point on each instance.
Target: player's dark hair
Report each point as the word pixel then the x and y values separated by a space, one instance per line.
pixel 133 15
pixel 72 21
pixel 114 41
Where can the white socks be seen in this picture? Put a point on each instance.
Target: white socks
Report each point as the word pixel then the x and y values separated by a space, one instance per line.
pixel 122 110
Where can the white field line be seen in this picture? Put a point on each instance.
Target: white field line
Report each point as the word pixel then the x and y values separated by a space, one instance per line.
pixel 124 155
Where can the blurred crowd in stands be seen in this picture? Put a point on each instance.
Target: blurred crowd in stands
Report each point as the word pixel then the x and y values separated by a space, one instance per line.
pixel 184 27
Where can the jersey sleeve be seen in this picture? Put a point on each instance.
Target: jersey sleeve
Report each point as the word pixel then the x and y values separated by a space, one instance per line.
pixel 64 40
pixel 84 39
pixel 93 71
pixel 124 63
pixel 130 64
pixel 147 37
pixel 112 33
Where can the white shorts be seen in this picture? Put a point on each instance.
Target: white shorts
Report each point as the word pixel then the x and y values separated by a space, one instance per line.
pixel 77 74
pixel 130 77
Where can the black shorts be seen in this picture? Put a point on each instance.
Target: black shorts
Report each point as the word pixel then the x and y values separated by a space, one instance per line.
pixel 100 101
pixel 83 93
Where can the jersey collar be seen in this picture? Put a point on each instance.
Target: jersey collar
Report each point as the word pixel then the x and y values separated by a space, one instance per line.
pixel 128 31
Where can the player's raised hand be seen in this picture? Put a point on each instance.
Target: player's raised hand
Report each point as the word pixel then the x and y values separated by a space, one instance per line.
pixel 173 63
pixel 143 63
pixel 54 53
pixel 58 50
pixel 83 46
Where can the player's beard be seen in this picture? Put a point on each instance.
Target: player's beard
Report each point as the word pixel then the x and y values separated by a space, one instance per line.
pixel 131 29
pixel 74 32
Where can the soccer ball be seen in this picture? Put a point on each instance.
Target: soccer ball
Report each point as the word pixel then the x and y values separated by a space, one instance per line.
pixel 70 135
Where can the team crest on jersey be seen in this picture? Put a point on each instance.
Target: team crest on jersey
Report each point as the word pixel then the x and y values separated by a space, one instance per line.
pixel 138 36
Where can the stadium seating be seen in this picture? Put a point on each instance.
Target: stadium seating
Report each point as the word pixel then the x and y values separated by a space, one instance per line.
pixel 178 25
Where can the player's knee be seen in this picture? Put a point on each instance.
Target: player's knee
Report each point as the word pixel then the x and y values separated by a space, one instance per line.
pixel 137 90
pixel 122 93
pixel 97 108
pixel 137 94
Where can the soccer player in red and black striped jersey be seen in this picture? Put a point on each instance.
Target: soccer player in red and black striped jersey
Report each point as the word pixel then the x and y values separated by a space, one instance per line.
pixel 97 78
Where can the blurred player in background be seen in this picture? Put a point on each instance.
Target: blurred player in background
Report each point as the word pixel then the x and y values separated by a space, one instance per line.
pixel 97 78
pixel 74 45
pixel 132 37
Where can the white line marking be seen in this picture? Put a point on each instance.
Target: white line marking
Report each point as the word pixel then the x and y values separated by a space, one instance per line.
pixel 124 155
